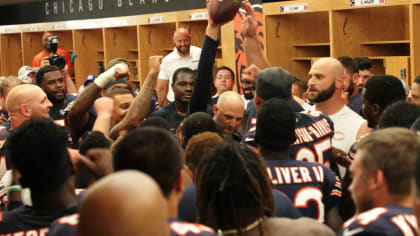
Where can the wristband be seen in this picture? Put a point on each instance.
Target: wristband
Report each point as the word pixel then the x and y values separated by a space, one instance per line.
pixel 14 188
pixel 108 76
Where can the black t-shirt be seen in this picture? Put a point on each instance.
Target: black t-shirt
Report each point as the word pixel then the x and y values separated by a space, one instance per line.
pixel 24 220
pixel 170 114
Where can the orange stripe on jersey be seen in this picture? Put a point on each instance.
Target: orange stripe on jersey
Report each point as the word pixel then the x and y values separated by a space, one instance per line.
pixel 253 149
pixel 5 199
pixel 336 192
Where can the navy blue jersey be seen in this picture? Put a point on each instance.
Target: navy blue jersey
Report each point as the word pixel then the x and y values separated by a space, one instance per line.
pixel 25 221
pixel 64 226
pixel 313 188
pixel 179 228
pixel 58 112
pixel 169 113
pixel 187 210
pixel 314 132
pixel 251 112
pixel 388 220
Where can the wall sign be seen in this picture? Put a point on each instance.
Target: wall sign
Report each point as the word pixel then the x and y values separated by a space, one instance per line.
pixel 294 8
pixel 63 10
pixel 365 3
pixel 198 16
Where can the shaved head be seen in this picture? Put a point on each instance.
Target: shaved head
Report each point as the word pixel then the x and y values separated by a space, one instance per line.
pixel 25 101
pixel 326 78
pixel 182 41
pixel 45 39
pixel 181 32
pixel 124 203
pixel 330 65
pixel 230 98
pixel 46 34
pixel 229 112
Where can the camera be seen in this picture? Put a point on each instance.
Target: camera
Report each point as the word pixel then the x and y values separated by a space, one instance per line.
pixel 55 59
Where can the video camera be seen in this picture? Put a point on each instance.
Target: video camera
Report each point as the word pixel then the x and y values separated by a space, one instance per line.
pixel 55 59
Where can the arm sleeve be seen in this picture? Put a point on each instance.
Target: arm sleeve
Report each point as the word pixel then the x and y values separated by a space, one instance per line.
pixel 334 189
pixel 201 93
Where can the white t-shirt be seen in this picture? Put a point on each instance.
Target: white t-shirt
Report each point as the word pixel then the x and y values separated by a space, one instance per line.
pixel 173 61
pixel 346 125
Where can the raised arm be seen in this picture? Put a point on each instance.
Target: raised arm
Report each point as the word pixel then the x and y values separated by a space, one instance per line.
pixel 104 107
pixel 140 107
pixel 78 115
pixel 253 51
pixel 201 93
pixel 71 87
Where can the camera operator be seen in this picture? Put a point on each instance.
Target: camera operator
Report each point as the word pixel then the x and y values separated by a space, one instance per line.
pixel 38 60
pixel 52 55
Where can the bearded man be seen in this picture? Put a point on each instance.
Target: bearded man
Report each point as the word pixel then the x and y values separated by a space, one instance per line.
pixel 326 85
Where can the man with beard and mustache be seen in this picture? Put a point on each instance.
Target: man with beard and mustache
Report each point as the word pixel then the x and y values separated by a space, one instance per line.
pixel 175 112
pixel 326 85
pixel 183 55
pixel 50 79
pixel 365 71
pixel 351 72
pixel 248 81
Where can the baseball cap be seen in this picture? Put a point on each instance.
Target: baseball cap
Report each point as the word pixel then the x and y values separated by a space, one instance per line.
pixel 274 82
pixel 24 71
pixel 89 78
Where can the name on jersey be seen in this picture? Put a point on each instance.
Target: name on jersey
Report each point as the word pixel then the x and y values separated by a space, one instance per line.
pixel 317 129
pixel 295 175
pixel 32 232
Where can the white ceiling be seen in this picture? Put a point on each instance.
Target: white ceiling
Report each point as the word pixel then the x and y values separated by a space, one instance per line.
pixel 8 2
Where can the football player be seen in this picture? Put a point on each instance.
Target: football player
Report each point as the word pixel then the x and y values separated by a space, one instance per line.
pixel 313 188
pixel 384 194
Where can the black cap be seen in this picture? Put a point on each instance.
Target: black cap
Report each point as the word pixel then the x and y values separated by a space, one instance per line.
pixel 274 82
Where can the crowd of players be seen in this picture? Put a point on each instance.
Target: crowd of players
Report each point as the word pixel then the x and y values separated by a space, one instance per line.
pixel 331 155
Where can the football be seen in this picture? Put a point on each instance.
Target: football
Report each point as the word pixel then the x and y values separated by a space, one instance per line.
pixel 222 11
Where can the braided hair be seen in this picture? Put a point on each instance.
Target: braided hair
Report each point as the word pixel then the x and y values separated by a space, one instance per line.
pixel 233 188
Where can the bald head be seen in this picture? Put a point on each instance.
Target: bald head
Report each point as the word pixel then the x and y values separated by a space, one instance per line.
pixel 45 39
pixel 229 98
pixel 182 41
pixel 181 32
pixel 229 112
pixel 124 203
pixel 330 65
pixel 25 101
pixel 326 79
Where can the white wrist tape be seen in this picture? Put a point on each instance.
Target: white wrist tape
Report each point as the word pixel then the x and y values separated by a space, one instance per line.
pixel 108 75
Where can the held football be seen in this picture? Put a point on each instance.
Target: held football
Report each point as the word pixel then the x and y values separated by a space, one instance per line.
pixel 222 11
